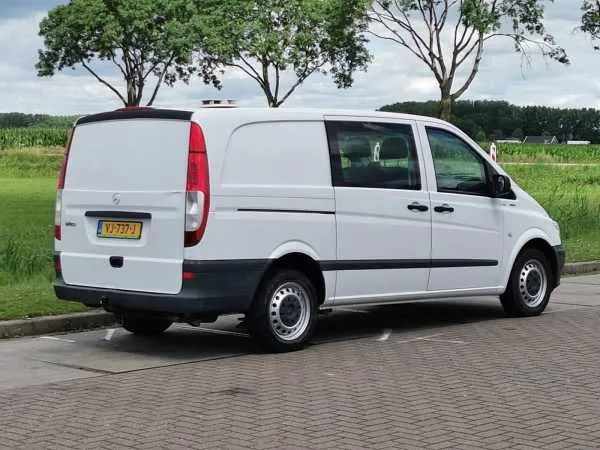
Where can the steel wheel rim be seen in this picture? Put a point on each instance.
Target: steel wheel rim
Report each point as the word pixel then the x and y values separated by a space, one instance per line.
pixel 289 311
pixel 533 283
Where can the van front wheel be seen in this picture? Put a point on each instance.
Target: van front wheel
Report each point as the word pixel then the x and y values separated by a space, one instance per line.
pixel 146 325
pixel 529 286
pixel 283 315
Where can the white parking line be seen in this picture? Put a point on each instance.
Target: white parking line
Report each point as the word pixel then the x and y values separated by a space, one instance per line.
pixel 446 341
pixel 433 338
pixel 362 311
pixel 419 338
pixel 574 308
pixel 385 336
pixel 109 334
pixel 215 331
pixel 54 338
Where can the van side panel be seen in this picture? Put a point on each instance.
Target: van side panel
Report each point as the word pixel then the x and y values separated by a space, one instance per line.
pixel 273 191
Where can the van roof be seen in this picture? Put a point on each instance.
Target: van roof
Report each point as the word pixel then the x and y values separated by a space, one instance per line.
pixel 250 113
pixel 307 113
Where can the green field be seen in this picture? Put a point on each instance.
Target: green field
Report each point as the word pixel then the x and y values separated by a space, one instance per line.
pixel 26 238
pixel 571 195
pixel 32 137
pixel 27 189
pixel 547 153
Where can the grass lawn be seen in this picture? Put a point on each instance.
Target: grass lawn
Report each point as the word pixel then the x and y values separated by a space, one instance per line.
pixel 26 230
pixel 571 195
pixel 33 298
pixel 27 190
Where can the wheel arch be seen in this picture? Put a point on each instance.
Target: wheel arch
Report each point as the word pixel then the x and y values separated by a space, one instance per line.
pixel 537 239
pixel 302 262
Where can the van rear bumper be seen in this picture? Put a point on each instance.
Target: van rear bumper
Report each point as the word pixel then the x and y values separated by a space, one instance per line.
pixel 217 287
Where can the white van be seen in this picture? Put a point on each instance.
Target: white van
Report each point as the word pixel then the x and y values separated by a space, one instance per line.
pixel 170 215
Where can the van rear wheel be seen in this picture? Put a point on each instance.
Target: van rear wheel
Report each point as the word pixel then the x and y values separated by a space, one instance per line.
pixel 143 324
pixel 283 314
pixel 530 285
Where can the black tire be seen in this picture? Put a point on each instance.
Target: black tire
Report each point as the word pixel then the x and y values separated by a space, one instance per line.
pixel 530 267
pixel 283 314
pixel 145 325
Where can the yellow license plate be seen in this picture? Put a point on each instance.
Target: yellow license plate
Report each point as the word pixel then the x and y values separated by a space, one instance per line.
pixel 119 230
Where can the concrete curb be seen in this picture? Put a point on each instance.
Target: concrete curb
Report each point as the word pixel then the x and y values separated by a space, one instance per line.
pixel 55 324
pixel 581 268
pixel 98 319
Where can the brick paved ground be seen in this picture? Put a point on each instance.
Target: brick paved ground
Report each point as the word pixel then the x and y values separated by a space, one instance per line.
pixel 496 383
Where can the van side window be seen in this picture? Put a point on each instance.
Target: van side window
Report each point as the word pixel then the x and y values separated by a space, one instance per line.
pixel 458 167
pixel 373 155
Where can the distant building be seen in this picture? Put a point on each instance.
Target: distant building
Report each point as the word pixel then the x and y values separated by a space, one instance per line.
pixel 540 140
pixel 508 141
pixel 578 142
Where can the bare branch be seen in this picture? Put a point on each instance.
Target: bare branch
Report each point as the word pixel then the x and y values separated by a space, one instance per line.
pixel 438 31
pixel 247 71
pixel 520 40
pixel 266 82
pixel 160 80
pixel 475 45
pixel 116 63
pixel 424 51
pixel 402 42
pixel 152 68
pixel 250 66
pixel 277 80
pixel 104 82
pixel 474 70
pixel 298 82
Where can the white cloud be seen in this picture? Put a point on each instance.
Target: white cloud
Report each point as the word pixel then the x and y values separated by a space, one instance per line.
pixel 395 75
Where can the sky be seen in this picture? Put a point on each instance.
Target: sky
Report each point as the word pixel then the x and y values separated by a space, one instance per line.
pixel 393 76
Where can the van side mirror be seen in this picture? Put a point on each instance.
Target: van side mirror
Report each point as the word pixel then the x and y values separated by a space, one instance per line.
pixel 500 185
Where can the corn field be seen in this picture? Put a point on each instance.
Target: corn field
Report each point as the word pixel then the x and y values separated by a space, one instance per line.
pixel 32 137
pixel 558 153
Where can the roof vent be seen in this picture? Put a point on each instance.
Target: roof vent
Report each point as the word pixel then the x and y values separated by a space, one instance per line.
pixel 218 104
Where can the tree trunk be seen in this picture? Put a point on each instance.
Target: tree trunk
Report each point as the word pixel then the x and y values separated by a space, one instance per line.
pixel 446 106
pixel 132 97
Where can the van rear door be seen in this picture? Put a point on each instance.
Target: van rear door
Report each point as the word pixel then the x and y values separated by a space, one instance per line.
pixel 123 202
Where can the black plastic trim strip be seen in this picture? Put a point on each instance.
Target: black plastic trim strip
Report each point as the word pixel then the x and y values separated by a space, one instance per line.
pixel 463 263
pixel 405 264
pixel 224 265
pixel 142 113
pixel 118 214
pixel 366 264
pixel 289 211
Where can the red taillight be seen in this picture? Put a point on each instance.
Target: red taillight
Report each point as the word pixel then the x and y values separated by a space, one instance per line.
pixel 197 188
pixel 60 186
pixel 63 167
pixel 188 275
pixel 57 265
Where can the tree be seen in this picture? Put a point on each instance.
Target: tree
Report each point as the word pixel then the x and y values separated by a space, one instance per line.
pixel 447 35
pixel 590 20
pixel 266 39
pixel 517 134
pixel 140 38
pixel 504 119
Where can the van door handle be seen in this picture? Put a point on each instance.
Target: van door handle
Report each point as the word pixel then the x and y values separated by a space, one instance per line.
pixel 416 206
pixel 445 208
